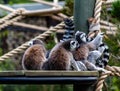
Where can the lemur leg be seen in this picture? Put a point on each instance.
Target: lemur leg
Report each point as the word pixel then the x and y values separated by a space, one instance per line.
pixel 91 66
pixel 75 65
pixel 81 65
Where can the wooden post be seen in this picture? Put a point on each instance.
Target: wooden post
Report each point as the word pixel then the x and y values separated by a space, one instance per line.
pixel 83 9
pixel 83 87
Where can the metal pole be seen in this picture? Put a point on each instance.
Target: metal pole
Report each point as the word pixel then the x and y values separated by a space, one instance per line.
pixel 83 9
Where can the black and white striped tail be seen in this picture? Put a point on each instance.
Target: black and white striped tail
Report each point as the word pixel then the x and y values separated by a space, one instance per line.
pixel 69 29
pixel 104 59
pixel 103 48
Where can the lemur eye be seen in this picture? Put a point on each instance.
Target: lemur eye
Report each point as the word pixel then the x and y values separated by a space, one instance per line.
pixel 82 35
pixel 77 33
pixel 72 42
pixel 30 43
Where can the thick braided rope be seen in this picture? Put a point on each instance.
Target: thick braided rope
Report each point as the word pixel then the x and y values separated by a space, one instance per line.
pixel 111 70
pixel 97 10
pixel 9 22
pixel 114 69
pixel 95 24
pixel 97 14
pixel 101 80
pixel 6 22
pixel 23 47
pixel 11 15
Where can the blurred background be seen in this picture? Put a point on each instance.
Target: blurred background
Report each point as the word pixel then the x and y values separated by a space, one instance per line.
pixel 12 37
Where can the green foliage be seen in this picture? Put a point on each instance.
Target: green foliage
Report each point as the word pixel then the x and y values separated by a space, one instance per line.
pixel 68 8
pixel 116 87
pixel 113 43
pixel 35 88
pixel 1 1
pixel 7 65
pixel 50 43
pixel 116 9
pixel 3 46
pixel 114 48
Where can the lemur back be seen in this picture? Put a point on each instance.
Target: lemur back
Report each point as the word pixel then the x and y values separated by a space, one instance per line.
pixel 34 56
pixel 60 57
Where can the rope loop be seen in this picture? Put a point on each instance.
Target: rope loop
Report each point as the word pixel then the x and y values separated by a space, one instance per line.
pixel 114 69
pixel 20 11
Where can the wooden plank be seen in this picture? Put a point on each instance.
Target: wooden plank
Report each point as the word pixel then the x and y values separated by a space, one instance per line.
pixel 42 12
pixel 49 73
pixel 12 73
pixel 102 22
pixel 61 73
pixel 108 28
pixel 40 28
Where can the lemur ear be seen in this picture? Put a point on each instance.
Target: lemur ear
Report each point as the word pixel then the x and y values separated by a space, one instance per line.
pixel 30 43
pixel 77 32
pixel 61 41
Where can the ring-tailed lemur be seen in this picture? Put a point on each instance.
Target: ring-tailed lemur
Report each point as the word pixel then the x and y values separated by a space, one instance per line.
pixel 61 58
pixel 34 56
pixel 69 33
pixel 94 46
pixel 82 52
pixel 104 50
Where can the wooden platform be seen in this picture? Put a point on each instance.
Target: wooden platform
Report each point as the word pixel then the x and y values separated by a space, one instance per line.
pixel 49 73
pixel 82 81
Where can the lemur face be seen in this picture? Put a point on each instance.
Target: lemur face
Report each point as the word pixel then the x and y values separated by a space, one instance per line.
pixel 35 41
pixel 80 36
pixel 30 43
pixel 73 45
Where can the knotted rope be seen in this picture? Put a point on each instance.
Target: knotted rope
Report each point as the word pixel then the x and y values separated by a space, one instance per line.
pixel 112 70
pixel 101 80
